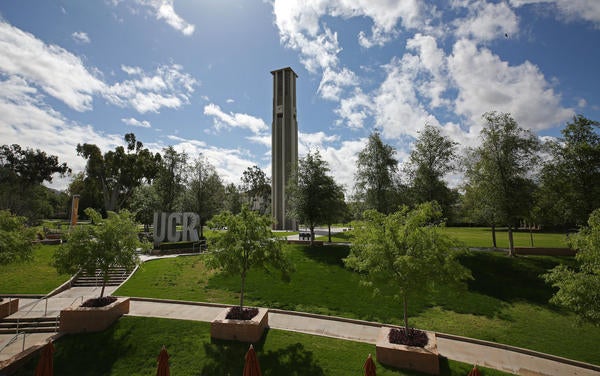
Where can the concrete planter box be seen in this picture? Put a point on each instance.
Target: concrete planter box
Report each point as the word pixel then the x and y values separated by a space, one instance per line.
pixel 8 307
pixel 92 319
pixel 408 357
pixel 240 330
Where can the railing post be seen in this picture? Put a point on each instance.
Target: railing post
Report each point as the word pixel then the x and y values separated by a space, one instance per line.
pixel 23 349
pixel 46 308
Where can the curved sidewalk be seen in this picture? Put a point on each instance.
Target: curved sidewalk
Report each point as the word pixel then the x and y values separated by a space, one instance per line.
pixel 502 357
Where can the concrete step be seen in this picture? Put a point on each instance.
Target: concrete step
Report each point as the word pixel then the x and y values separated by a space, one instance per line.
pixel 29 325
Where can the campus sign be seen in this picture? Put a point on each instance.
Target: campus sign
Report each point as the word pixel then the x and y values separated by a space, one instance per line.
pixel 165 227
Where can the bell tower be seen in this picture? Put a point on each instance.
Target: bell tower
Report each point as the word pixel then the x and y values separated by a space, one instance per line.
pixel 284 144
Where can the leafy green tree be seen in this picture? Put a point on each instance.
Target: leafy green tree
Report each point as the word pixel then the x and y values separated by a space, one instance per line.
pixel 406 251
pixel 106 243
pixel 233 199
pixel 15 238
pixel 313 194
pixel 144 202
pixel 247 242
pixel 375 169
pixel 205 191
pixel 579 289
pixel 570 179
pixel 170 178
pixel 22 172
pixel 257 189
pixel 118 172
pixel 500 168
pixel 88 189
pixel 430 161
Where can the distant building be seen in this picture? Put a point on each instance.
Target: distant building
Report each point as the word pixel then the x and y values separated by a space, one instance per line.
pixel 284 144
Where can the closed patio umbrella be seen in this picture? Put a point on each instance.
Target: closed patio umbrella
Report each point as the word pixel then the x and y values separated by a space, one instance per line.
pixel 369 366
pixel 251 367
pixel 474 371
pixel 45 366
pixel 163 363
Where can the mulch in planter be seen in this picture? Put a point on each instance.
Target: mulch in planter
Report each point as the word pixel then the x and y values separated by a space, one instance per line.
pixel 415 337
pixel 99 302
pixel 236 313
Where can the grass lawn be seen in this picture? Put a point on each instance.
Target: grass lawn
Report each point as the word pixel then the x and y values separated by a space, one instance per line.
pixel 131 347
pixel 33 277
pixel 482 237
pixel 506 302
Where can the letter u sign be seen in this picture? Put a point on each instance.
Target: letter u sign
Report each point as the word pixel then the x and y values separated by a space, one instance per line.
pixel 165 227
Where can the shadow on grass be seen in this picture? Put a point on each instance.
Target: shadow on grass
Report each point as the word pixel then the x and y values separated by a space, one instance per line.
pixel 227 358
pixel 331 255
pixel 510 279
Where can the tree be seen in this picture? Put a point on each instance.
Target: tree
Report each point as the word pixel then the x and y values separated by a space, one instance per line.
pixel 499 169
pixel 169 180
pixel 570 179
pixel 579 289
pixel 22 172
pixel 144 202
pixel 313 194
pixel 205 193
pixel 405 250
pixel 233 199
pixel 104 244
pixel 88 189
pixel 15 238
pixel 118 172
pixel 247 242
pixel 257 189
pixel 374 177
pixel 431 159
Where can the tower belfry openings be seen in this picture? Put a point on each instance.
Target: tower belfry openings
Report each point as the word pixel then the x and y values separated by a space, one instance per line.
pixel 284 144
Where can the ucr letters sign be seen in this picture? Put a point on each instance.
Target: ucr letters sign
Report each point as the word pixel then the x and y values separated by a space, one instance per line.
pixel 165 227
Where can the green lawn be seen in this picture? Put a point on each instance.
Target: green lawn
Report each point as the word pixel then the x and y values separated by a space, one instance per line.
pixel 131 347
pixel 37 276
pixel 506 302
pixel 482 237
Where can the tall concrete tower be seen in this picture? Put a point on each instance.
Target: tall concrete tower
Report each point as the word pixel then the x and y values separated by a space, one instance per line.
pixel 284 144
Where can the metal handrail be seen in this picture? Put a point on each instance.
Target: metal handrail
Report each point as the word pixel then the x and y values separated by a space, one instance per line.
pixel 13 340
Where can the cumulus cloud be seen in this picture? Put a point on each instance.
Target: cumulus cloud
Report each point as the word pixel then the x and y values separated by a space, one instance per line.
pixel 165 10
pixel 235 120
pixel 168 86
pixel 485 83
pixel 136 123
pixel 55 70
pixel 487 21
pixel 81 37
pixel 568 10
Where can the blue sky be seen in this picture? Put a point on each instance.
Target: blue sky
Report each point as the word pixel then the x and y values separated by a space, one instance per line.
pixel 196 74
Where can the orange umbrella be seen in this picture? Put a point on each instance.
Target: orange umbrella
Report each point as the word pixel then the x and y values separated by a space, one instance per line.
pixel 45 366
pixel 163 363
pixel 369 366
pixel 251 367
pixel 474 371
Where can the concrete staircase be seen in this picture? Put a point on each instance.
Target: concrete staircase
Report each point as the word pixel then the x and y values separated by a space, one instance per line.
pixel 116 276
pixel 29 325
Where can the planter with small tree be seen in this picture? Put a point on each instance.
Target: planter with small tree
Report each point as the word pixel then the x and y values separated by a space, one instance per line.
pixel 408 251
pixel 105 244
pixel 248 242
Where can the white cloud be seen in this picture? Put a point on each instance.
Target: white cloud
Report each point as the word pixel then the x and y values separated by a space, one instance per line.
pixel 136 123
pixel 56 71
pixel 229 100
pixel 486 83
pixel 165 10
pixel 81 37
pixel 236 120
pixel 25 120
pixel 588 10
pixel 487 21
pixel 167 87
pixel 354 109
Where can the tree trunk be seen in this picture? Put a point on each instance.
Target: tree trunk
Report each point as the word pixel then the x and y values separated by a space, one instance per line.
pixel 511 243
pixel 531 236
pixel 329 226
pixel 405 314
pixel 242 290
pixel 312 234
pixel 494 235
pixel 104 280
